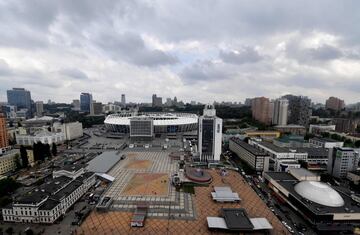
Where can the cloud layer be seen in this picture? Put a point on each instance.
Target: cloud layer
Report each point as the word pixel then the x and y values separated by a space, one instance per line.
pixel 195 50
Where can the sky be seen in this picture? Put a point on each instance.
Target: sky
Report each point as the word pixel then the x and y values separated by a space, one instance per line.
pixel 196 50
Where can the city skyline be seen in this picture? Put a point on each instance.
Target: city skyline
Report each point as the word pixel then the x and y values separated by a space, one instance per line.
pixel 205 52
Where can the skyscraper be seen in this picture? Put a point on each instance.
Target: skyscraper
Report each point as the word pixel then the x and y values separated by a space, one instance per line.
pixel 335 103
pixel 76 104
pixel 210 135
pixel 20 98
pixel 39 108
pixel 85 102
pixel 260 109
pixel 280 112
pixel 299 109
pixel 4 142
pixel 123 100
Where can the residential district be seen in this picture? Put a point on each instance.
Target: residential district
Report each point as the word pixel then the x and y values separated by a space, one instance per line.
pixel 283 166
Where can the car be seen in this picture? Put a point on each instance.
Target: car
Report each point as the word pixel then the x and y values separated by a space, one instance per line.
pixel 131 146
pixel 146 146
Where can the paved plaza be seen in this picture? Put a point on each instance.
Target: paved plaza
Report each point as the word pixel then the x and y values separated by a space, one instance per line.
pixel 118 222
pixel 143 178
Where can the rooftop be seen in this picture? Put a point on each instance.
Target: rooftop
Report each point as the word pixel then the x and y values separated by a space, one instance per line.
pixel 104 162
pixel 323 140
pixel 248 147
pixel 237 219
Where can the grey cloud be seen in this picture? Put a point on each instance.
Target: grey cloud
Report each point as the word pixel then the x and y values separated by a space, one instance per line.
pixel 244 55
pixel 74 73
pixel 4 68
pixel 325 52
pixel 131 47
pixel 204 71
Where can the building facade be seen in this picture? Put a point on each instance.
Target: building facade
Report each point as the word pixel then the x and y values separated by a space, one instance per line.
pixel 335 103
pixel 210 135
pixel 280 112
pixel 257 160
pixel 123 100
pixel 85 102
pixel 4 141
pixel 20 98
pixel 49 201
pixel 8 161
pixel 156 101
pixel 341 161
pixel 299 109
pixel 260 109
pixel 39 105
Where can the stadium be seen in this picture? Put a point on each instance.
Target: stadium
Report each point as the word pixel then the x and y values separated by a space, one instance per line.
pixel 131 122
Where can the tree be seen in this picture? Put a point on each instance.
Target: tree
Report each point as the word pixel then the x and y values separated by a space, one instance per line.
pixel 17 162
pixel 24 157
pixel 357 143
pixel 47 150
pixel 29 232
pixel 9 230
pixel 54 149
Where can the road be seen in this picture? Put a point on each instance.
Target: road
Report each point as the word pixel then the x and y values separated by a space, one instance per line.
pixel 281 210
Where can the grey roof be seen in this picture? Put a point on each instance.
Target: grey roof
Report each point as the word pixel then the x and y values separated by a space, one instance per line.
pixel 237 219
pixel 104 162
pixel 249 148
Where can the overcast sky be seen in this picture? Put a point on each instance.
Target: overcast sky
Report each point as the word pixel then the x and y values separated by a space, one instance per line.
pixel 195 50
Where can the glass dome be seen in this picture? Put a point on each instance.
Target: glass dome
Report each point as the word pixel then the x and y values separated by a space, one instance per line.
pixel 320 193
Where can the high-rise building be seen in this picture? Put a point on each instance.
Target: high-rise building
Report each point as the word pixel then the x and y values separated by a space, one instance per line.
pixel 341 161
pixel 20 98
pixel 76 105
pixel 96 108
pixel 156 101
pixel 280 112
pixel 4 142
pixel 299 109
pixel 335 103
pixel 39 108
pixel 248 102
pixel 85 102
pixel 210 135
pixel 123 100
pixel 261 110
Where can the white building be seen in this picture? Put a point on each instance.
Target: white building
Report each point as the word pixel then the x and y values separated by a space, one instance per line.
pixel 43 136
pixel 46 203
pixel 39 108
pixel 280 112
pixel 210 135
pixel 282 159
pixel 341 161
pixel 71 130
pixel 325 143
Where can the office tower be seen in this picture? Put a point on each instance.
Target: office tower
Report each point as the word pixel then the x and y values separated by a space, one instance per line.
pixel 210 135
pixel 39 108
pixel 156 101
pixel 261 110
pixel 280 112
pixel 335 103
pixel 248 102
pixel 20 98
pixel 85 102
pixel 76 105
pixel 123 100
pixel 96 108
pixel 4 142
pixel 341 161
pixel 299 109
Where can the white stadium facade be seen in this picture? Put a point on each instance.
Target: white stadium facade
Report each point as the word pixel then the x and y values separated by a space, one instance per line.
pixel 150 122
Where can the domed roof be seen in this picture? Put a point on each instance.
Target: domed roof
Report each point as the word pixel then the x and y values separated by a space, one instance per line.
pixel 320 193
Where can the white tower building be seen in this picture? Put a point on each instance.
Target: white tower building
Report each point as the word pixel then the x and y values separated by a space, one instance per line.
pixel 210 135
pixel 280 113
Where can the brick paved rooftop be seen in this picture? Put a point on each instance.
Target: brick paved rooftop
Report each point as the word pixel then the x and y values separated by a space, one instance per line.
pixel 117 222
